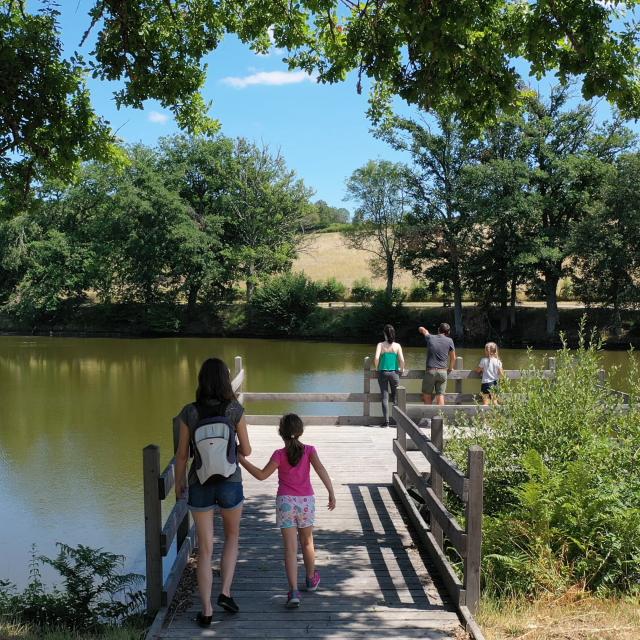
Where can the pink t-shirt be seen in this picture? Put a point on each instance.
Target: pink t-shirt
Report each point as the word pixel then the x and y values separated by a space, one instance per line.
pixel 294 481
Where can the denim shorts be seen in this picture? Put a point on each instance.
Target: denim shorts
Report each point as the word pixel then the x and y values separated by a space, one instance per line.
pixel 224 495
pixel 486 387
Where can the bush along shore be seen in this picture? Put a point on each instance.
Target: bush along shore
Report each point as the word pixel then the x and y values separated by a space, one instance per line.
pixel 93 600
pixel 304 321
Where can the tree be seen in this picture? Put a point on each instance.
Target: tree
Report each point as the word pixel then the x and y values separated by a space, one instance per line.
pixel 569 157
pixel 265 205
pixel 436 238
pixel 47 124
pixel 606 243
pixel 322 215
pixel 455 55
pixel 198 169
pixel 497 194
pixel 382 193
pixel 439 56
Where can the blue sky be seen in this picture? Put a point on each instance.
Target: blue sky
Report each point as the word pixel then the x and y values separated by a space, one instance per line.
pixel 321 130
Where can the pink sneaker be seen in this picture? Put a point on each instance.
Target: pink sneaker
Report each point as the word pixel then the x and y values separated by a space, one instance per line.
pixel 313 582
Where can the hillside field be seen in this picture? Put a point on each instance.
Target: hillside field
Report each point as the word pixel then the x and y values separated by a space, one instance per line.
pixel 325 255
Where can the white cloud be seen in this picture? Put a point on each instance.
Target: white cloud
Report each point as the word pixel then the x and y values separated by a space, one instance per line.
pixel 158 118
pixel 268 78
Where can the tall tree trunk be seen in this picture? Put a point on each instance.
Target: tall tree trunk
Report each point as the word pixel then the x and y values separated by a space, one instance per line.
pixel 192 299
pixel 458 326
pixel 250 282
pixel 390 275
pixel 512 308
pixel 504 310
pixel 617 318
pixel 553 317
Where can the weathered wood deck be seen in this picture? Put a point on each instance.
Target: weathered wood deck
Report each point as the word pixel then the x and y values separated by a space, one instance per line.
pixel 374 581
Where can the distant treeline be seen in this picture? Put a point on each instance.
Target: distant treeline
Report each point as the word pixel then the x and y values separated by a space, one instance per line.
pixel 543 196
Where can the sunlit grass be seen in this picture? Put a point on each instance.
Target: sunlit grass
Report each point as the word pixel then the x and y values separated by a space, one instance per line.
pixel 10 631
pixel 575 614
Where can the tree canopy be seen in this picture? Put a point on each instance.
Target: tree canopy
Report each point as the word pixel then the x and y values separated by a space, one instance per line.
pixel 441 56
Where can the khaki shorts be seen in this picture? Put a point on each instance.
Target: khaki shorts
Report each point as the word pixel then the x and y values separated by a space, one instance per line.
pixel 435 382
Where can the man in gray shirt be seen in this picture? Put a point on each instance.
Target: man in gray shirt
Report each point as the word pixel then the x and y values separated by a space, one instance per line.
pixel 441 357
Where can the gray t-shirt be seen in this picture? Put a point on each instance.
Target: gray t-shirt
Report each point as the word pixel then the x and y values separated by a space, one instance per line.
pixel 438 347
pixel 190 416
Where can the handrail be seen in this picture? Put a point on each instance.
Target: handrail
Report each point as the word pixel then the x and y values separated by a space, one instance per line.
pixel 158 536
pixel 468 488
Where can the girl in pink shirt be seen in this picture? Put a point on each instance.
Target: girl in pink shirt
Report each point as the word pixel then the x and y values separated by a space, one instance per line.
pixel 295 502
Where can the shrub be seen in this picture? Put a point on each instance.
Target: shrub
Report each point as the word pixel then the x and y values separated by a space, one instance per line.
pixel 561 482
pixel 420 293
pixel 283 303
pixel 362 291
pixel 95 594
pixel 331 290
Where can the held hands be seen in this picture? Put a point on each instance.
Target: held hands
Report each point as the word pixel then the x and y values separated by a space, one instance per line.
pixel 332 502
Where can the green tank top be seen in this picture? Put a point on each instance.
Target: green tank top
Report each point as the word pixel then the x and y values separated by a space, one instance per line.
pixel 388 361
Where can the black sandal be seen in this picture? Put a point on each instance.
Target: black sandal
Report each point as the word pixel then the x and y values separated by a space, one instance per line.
pixel 203 621
pixel 228 603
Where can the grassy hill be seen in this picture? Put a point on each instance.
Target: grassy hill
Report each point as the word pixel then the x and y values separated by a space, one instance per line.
pixel 325 255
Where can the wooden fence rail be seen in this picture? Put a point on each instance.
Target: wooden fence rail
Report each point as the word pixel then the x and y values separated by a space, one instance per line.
pixel 159 537
pixel 466 541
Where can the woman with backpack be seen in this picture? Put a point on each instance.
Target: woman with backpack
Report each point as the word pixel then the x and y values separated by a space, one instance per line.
pixel 210 426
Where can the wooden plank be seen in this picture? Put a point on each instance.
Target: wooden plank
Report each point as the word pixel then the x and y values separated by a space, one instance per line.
pixel 459 366
pixel 238 375
pixel 475 464
pixel 167 479
pixel 445 467
pixel 451 581
pixel 171 526
pixel 304 397
pixel 430 410
pixel 437 438
pixel 152 525
pixel 325 421
pixel 465 374
pixel 173 579
pixel 471 626
pixel 438 511
pixel 337 633
pixel 366 386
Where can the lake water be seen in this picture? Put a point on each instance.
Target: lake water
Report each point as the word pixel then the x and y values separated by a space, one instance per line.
pixel 76 414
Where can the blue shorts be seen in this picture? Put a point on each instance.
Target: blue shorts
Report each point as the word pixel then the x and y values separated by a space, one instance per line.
pixel 225 495
pixel 486 387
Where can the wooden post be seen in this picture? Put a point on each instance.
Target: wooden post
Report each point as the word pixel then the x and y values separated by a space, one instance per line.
pixel 237 367
pixel 401 434
pixel 602 377
pixel 436 479
pixel 152 526
pixel 475 462
pixel 552 365
pixel 366 404
pixel 459 365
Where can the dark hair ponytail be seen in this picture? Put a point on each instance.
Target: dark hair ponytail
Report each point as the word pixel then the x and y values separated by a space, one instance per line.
pixel 389 333
pixel 291 428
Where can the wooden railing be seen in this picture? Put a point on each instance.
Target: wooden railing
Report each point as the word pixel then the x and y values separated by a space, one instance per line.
pixel 456 402
pixel 443 525
pixel 159 537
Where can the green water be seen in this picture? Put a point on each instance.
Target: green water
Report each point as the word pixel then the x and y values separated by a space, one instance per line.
pixel 76 414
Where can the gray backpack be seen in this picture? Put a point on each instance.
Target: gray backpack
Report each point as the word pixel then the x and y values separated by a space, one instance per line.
pixel 215 447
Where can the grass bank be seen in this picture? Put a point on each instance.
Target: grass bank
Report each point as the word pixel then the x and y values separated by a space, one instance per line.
pixel 9 631
pixel 574 614
pixel 337 323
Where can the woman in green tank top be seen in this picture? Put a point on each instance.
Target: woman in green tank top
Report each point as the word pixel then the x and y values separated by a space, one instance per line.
pixel 389 362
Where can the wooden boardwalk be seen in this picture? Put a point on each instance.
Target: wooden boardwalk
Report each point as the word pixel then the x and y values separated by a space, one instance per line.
pixel 374 581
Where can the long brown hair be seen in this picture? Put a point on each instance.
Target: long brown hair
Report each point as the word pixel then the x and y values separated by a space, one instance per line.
pixel 214 383
pixel 291 428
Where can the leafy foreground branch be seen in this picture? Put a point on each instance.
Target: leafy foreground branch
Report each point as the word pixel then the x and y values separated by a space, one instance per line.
pixel 562 483
pixel 94 598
